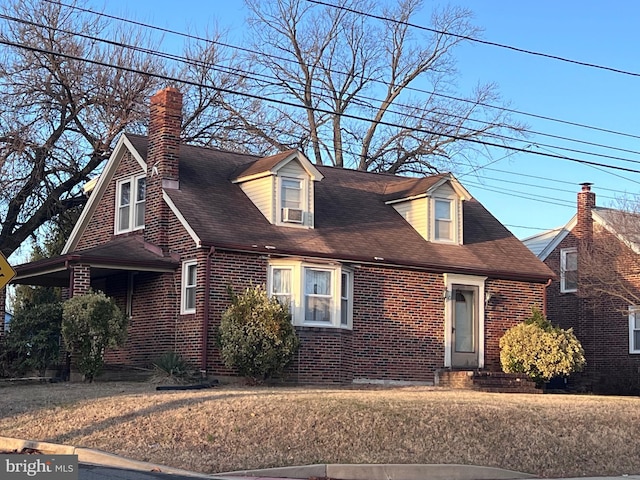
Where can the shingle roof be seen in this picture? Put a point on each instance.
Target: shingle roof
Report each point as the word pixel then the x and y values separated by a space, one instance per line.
pixel 352 221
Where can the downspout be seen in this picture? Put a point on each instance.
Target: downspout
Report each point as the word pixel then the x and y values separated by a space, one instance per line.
pixel 71 278
pixel 205 312
pixel 544 298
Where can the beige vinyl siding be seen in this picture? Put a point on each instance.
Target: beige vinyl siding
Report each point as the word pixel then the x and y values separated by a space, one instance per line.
pixel 262 193
pixel 415 212
pixel 292 169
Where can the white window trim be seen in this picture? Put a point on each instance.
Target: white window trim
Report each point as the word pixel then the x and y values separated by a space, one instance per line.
pixel 451 279
pixel 133 180
pixel 298 269
pixel 455 219
pixel 304 200
pixel 633 311
pixel 183 287
pixel 563 267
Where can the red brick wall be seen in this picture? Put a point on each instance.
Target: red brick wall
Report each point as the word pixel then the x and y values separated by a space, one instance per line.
pixel 101 225
pixel 601 325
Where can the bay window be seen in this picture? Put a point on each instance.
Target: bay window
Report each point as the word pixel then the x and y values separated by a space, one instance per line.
pixel 317 295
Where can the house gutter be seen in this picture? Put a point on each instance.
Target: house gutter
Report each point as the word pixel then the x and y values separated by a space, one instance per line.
pixel 390 262
pixel 205 312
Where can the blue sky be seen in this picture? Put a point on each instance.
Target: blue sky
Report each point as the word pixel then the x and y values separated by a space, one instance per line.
pixel 596 32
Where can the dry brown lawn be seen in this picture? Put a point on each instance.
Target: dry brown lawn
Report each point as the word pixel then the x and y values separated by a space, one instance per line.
pixel 232 428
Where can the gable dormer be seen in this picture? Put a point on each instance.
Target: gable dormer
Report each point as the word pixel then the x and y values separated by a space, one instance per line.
pixel 282 187
pixel 431 205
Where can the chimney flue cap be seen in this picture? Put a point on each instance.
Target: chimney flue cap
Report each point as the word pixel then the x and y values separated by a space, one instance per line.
pixel 586 186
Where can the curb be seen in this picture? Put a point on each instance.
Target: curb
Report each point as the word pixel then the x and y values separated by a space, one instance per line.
pixel 94 457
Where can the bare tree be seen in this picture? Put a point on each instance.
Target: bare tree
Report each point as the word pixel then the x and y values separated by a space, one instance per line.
pixel 344 79
pixel 60 114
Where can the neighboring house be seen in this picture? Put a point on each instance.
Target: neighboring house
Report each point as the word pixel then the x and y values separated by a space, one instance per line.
pixel 389 278
pixel 593 257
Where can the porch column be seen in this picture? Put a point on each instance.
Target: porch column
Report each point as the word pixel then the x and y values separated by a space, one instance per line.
pixel 80 281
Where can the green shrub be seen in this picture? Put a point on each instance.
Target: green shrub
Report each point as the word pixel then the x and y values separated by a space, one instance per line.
pixel 33 341
pixel 91 323
pixel 540 350
pixel 256 336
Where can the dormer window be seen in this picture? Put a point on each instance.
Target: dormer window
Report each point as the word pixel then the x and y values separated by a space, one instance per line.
pixel 291 200
pixel 131 195
pixel 282 187
pixel 443 218
pixel 433 206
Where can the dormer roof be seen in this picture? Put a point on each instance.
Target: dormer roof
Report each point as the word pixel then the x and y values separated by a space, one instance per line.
pixel 270 165
pixel 411 188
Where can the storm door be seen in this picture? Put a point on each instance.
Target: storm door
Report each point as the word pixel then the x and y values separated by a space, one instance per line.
pixel 464 325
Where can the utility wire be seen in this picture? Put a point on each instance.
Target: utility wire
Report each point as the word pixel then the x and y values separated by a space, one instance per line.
pixel 246 74
pixel 319 110
pixel 476 40
pixel 274 57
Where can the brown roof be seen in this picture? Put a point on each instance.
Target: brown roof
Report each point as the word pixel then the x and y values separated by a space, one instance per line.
pixel 124 253
pixel 411 186
pixel 352 221
pixel 261 165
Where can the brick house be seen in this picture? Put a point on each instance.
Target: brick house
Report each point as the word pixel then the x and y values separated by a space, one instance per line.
pixel 389 278
pixel 596 258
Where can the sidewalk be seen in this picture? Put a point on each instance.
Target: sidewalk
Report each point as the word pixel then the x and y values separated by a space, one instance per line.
pixel 98 465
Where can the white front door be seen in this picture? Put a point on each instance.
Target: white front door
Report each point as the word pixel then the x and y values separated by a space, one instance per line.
pixel 464 321
pixel 464 327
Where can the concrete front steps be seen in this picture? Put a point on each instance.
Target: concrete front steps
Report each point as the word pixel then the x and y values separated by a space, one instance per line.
pixel 485 381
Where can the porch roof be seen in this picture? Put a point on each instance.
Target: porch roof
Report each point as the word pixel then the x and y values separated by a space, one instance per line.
pixel 122 254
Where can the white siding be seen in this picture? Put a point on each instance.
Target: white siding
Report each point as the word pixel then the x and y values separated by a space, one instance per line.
pixel 292 169
pixel 415 212
pixel 445 190
pixel 262 193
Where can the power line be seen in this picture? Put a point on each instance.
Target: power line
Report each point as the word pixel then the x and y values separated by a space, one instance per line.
pixel 319 110
pixel 275 57
pixel 477 40
pixel 248 74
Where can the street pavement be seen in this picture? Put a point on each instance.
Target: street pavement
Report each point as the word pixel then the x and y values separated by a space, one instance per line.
pixel 100 472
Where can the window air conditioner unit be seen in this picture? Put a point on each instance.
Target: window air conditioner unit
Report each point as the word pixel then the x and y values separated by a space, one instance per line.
pixel 292 215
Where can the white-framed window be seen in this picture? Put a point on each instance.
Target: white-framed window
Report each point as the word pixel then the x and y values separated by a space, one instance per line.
pixel 280 283
pixel 568 270
pixel 189 283
pixel 131 195
pixel 317 295
pixel 634 329
pixel 443 219
pixel 292 205
pixel 346 305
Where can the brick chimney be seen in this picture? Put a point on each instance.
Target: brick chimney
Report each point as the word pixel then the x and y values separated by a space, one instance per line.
pixel 163 153
pixel 586 202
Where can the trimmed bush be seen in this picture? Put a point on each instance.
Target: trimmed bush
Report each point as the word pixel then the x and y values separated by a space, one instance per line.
pixel 256 336
pixel 91 323
pixel 540 350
